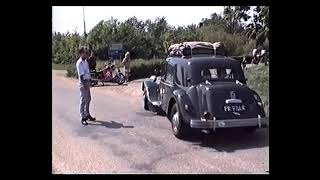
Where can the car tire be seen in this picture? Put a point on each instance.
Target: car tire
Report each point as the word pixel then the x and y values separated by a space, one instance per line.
pixel 120 79
pixel 178 127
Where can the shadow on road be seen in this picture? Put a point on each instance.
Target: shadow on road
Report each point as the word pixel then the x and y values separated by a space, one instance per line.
pixel 110 84
pixel 230 140
pixel 111 124
pixel 150 113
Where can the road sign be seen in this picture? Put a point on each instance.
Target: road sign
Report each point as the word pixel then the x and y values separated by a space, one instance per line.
pixel 116 46
pixel 116 50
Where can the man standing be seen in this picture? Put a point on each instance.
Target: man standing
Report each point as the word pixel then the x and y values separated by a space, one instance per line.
pixel 126 62
pixel 84 82
pixel 92 62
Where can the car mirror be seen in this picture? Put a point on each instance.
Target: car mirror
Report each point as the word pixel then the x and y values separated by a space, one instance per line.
pixel 153 78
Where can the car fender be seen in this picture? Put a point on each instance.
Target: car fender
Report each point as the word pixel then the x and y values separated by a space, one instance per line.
pixel 151 89
pixel 259 100
pixel 182 99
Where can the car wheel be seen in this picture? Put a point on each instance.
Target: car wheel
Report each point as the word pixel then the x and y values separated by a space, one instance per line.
pixel 120 79
pixel 177 124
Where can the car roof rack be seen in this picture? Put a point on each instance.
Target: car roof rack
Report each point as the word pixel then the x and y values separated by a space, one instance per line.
pixel 196 48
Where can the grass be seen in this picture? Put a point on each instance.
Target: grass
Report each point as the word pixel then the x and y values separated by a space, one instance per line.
pixel 58 66
pixel 258 80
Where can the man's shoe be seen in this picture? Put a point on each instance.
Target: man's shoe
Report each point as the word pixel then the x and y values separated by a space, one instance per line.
pixel 84 121
pixel 91 118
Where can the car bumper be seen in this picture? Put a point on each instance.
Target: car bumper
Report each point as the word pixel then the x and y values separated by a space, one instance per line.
pixel 228 123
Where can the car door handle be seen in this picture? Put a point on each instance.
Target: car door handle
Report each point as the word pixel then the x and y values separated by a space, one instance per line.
pixel 168 84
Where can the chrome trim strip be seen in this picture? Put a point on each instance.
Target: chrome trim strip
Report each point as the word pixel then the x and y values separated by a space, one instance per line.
pixel 167 84
pixel 231 101
pixel 259 122
pixel 214 123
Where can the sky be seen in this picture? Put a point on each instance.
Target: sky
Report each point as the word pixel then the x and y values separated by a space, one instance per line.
pixel 70 18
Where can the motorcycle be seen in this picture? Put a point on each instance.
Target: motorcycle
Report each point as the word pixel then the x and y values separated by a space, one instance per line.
pixel 109 74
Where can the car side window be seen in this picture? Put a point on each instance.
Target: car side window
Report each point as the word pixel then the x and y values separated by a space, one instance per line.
pixel 179 75
pixel 163 71
pixel 187 76
pixel 169 73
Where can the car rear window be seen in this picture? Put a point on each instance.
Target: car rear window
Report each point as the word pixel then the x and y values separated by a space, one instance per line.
pixel 217 73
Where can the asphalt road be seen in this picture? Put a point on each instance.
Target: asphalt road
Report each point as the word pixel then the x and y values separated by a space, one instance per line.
pixel 127 139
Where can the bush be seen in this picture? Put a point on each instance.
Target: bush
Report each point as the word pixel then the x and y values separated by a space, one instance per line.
pixel 258 80
pixel 144 68
pixel 140 68
pixel 71 70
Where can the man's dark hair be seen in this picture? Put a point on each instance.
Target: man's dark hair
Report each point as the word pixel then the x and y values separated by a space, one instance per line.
pixel 82 50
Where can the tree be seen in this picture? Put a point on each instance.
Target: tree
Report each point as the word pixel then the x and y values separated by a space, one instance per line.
pixel 258 29
pixel 234 15
pixel 148 39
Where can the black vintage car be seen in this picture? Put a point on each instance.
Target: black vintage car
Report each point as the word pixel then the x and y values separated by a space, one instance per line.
pixel 207 93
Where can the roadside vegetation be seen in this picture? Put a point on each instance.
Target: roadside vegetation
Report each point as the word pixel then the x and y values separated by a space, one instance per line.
pixel 148 41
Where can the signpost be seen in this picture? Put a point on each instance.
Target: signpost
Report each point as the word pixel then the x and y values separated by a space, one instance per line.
pixel 116 50
pixel 84 27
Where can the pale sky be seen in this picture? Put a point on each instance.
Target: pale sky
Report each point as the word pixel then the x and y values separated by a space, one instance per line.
pixel 70 18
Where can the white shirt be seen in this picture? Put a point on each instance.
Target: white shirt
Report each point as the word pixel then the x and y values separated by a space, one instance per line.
pixel 83 69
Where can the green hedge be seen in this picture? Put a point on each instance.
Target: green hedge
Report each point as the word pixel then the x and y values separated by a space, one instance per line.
pixel 139 68
pixel 142 69
pixel 71 70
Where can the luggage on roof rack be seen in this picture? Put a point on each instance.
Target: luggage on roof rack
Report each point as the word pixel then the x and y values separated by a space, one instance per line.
pixel 188 49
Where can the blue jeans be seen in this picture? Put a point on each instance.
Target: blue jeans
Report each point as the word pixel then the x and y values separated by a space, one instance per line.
pixel 85 98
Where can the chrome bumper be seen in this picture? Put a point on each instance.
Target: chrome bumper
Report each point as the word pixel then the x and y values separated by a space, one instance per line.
pixel 228 123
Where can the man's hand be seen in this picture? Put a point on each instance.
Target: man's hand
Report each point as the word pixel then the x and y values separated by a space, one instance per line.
pixel 82 79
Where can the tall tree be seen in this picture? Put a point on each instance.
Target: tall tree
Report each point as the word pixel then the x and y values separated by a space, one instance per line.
pixel 258 29
pixel 234 15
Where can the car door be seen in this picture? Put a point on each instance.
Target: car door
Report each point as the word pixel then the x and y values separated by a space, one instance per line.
pixel 167 85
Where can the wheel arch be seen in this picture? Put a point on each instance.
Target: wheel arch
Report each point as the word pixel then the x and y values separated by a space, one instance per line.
pixel 171 103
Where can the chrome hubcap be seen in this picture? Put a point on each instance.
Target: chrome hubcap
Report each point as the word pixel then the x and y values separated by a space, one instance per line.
pixel 175 121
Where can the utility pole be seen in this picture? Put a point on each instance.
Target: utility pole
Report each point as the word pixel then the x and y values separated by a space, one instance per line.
pixel 84 27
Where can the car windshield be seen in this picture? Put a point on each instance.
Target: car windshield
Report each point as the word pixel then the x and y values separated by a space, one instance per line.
pixel 217 74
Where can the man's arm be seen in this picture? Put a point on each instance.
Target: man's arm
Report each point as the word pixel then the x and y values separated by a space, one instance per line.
pixel 81 78
pixel 124 60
